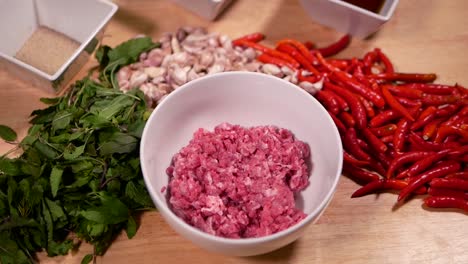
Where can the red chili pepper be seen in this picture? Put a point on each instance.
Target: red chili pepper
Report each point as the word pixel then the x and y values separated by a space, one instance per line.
pixel 309 44
pixel 463 91
pixel 464 159
pixel 385 130
pixel 384 184
pixel 254 37
pixel 456 117
pixel 408 102
pixel 293 64
pixel 425 117
pixel 405 158
pixel 298 56
pixel 452 183
pixel 351 145
pixel 387 139
pixel 369 188
pixel 358 174
pixel 423 164
pixel 367 106
pixel 265 58
pixel 442 169
pixel 359 88
pixel 341 102
pixel 369 60
pixel 357 109
pixel 348 158
pixel 355 65
pixel 251 44
pixel 445 131
pixel 308 78
pixel 405 91
pixel 430 129
pixel 432 88
pixel 341 127
pixel 447 110
pixel 430 99
pixel 347 119
pixel 328 100
pixel 385 60
pixel 340 64
pixel 363 144
pixel 460 174
pixel 394 104
pixel 362 79
pixel 404 77
pixel 374 141
pixel 401 134
pixel 325 63
pixel 336 47
pixel 447 192
pixel 455 153
pixel 299 46
pixel 384 117
pixel 420 144
pixel 381 163
pixel 446 202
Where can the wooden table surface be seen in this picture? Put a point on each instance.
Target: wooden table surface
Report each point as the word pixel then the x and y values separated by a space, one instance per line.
pixel 423 36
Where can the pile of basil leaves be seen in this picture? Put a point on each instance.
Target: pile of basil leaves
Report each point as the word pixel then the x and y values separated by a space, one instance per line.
pixel 78 177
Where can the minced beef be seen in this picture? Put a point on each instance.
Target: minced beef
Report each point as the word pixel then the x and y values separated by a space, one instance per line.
pixel 239 182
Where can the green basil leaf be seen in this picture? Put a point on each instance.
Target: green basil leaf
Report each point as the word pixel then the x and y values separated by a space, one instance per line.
pixel 61 120
pixel 50 101
pixel 130 50
pixel 118 143
pixel 55 180
pixel 56 210
pixel 59 248
pixel 46 150
pixel 60 138
pixel 87 259
pixel 112 211
pixel 75 153
pixel 7 134
pixel 10 167
pixel 131 227
pixel 96 230
pixel 115 106
pixel 81 166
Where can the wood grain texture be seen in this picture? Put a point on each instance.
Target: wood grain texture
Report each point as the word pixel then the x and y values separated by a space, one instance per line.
pixel 423 36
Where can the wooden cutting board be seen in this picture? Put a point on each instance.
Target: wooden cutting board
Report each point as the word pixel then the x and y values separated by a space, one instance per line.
pixel 423 36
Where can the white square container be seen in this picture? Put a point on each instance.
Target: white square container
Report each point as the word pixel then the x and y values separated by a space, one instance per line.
pixel 208 9
pixel 348 18
pixel 80 20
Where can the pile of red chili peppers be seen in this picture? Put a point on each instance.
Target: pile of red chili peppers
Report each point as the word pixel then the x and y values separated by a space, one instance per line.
pixel 400 131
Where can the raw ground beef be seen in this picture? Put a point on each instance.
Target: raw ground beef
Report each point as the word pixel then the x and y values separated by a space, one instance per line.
pixel 239 182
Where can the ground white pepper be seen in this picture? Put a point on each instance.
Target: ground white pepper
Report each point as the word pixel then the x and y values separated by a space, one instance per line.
pixel 47 50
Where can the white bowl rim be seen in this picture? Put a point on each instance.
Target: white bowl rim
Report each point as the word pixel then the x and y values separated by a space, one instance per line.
pixel 68 62
pixel 367 12
pixel 162 206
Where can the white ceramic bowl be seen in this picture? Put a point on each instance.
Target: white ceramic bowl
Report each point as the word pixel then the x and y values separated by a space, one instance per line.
pixel 348 18
pixel 247 99
pixel 208 9
pixel 83 21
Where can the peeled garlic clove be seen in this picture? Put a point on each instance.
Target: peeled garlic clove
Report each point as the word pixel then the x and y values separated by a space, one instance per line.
pixel 308 87
pixel 271 69
pixel 179 75
pixel 175 45
pixel 215 68
pixel 154 72
pixel 192 75
pixel 137 79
